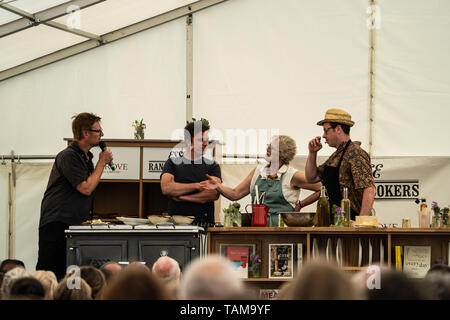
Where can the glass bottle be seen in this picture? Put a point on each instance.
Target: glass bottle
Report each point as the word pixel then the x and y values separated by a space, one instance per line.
pixel 323 209
pixel 346 208
pixel 423 204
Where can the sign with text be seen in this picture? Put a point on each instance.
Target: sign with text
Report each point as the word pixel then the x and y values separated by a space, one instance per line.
pixel 127 161
pixel 154 159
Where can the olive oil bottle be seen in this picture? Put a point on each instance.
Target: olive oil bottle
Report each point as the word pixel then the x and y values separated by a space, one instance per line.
pixel 346 208
pixel 323 209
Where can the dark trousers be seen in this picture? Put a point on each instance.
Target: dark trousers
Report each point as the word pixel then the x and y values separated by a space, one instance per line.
pixel 52 248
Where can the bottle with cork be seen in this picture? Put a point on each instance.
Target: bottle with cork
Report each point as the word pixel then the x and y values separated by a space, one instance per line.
pixel 346 208
pixel 323 209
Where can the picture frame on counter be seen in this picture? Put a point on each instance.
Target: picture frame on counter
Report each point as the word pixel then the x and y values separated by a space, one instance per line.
pixel 281 261
pixel 239 254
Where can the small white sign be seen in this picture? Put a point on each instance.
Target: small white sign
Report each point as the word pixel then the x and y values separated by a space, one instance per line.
pixel 126 160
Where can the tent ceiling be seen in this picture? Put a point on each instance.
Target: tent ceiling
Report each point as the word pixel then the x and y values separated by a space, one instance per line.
pixel 35 33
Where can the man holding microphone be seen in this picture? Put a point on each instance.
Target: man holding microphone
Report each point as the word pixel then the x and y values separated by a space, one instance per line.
pixel 69 195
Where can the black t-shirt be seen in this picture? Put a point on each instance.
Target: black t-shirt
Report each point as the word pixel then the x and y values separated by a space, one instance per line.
pixel 62 202
pixel 186 171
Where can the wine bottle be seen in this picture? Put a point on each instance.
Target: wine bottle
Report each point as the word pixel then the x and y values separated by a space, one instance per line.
pixel 346 208
pixel 323 209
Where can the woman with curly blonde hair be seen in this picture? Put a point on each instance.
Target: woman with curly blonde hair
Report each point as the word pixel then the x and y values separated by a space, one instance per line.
pixel 281 183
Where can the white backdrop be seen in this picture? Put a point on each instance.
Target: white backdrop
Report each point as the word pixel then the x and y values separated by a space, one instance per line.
pixel 142 76
pixel 258 64
pixel 266 65
pixel 412 79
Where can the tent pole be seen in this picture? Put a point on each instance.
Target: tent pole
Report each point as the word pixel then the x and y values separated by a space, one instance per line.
pixel 372 24
pixel 189 68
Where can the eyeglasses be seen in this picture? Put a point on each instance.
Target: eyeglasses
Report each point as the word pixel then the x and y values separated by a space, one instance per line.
pixel 98 131
pixel 325 130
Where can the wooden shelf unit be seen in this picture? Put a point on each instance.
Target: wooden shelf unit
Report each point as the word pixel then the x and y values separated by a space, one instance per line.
pixel 438 239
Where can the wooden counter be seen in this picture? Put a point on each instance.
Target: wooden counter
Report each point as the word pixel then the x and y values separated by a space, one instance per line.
pixel 382 240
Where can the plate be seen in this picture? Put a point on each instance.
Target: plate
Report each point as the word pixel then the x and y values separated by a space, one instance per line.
pixel 359 253
pixel 132 221
pixel 339 256
pixel 315 251
pixel 328 250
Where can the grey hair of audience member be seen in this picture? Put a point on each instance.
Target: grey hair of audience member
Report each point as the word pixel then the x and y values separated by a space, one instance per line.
pixel 212 278
pixel 9 278
pixel 167 269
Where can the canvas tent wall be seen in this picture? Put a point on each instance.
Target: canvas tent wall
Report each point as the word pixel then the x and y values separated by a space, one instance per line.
pixel 252 67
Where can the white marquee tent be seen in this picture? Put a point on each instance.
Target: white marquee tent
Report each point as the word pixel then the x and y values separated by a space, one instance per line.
pixel 249 66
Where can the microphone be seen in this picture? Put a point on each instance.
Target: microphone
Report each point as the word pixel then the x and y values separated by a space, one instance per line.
pixel 102 146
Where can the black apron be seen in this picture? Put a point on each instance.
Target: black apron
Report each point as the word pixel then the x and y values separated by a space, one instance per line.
pixel 331 182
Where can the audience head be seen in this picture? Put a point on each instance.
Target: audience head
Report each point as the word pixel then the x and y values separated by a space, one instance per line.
pixel 438 279
pixel 9 278
pixel 319 281
pixel 72 290
pixel 94 278
pixel 395 285
pixel 110 269
pixel 136 282
pixel 27 288
pixel 168 270
pixel 212 277
pixel 48 281
pixel 9 264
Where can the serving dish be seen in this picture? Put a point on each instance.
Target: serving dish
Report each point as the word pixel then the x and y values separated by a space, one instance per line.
pixel 132 221
pixel 298 219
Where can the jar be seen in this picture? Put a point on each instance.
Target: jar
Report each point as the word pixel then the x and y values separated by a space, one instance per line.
pixel 338 220
pixel 436 221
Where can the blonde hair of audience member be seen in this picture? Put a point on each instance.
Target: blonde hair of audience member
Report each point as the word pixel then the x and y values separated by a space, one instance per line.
pixel 168 270
pixel 136 282
pixel 319 281
pixel 94 278
pixel 49 282
pixel 9 278
pixel 63 292
pixel 212 278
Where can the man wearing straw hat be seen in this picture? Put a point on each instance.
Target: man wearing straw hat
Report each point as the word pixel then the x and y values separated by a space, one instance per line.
pixel 349 166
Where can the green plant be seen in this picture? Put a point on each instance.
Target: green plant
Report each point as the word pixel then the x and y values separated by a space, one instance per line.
pixel 203 120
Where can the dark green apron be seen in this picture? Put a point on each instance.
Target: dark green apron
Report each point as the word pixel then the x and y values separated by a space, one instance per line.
pixel 274 198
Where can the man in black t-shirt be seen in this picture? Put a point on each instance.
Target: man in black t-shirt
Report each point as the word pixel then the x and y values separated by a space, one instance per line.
pixel 181 177
pixel 68 197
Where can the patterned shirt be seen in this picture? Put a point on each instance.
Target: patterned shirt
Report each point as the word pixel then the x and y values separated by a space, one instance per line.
pixel 355 172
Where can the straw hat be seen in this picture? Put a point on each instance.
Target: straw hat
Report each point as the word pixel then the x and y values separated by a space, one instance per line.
pixel 337 116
